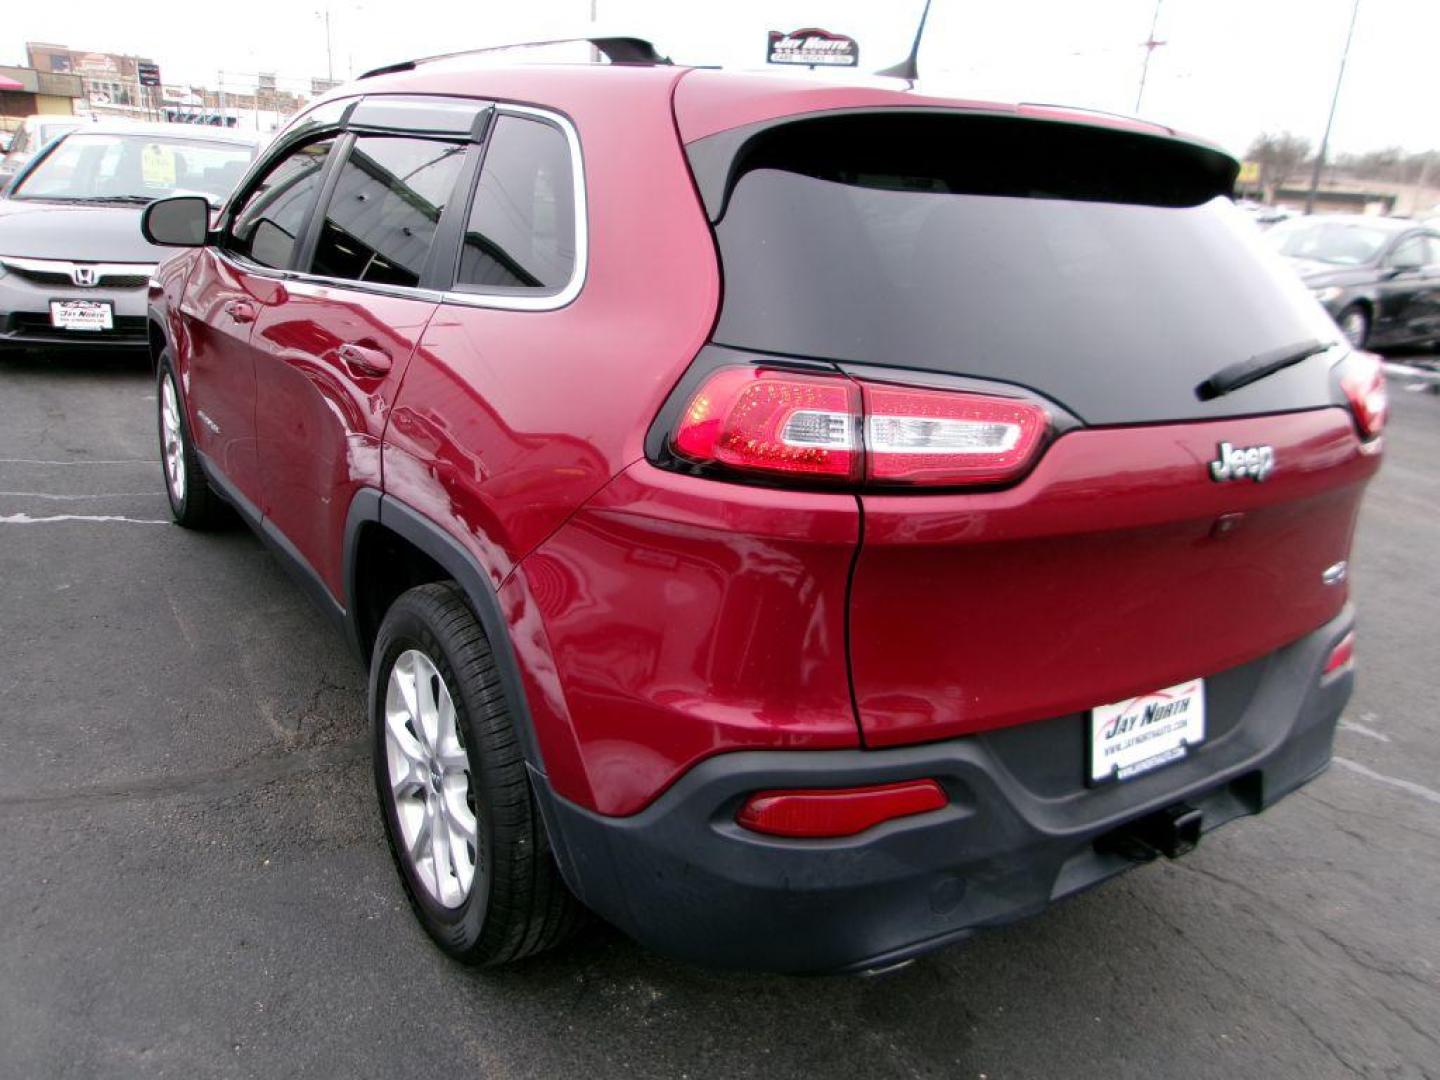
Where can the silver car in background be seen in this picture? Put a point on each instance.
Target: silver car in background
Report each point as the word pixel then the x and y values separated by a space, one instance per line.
pixel 73 265
pixel 30 138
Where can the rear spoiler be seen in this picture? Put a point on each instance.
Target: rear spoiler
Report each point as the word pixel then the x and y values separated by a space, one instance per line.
pixel 1037 153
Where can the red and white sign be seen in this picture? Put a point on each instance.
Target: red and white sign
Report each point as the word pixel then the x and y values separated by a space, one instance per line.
pixel 812 47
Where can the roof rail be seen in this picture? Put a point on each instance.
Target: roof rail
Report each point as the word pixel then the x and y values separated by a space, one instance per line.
pixel 618 50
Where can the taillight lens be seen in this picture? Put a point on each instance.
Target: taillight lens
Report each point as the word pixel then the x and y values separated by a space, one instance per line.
pixel 830 427
pixel 832 812
pixel 781 422
pixel 1363 380
pixel 937 437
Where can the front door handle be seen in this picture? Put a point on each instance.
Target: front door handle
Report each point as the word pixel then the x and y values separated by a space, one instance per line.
pixel 241 311
pixel 364 360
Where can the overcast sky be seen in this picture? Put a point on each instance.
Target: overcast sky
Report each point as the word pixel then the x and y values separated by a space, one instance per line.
pixel 1230 68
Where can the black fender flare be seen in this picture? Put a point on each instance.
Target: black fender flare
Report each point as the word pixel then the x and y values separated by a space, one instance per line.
pixel 370 506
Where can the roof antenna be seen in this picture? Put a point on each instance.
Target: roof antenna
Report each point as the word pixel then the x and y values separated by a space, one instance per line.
pixel 907 68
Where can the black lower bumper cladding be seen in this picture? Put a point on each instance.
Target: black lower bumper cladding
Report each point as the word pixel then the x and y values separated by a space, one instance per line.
pixel 1021 830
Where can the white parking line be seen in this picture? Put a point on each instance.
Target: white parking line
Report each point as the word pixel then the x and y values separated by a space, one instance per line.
pixel 1361 729
pixel 26 519
pixel 1409 786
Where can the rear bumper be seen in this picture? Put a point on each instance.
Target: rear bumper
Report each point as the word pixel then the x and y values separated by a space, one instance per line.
pixel 681 877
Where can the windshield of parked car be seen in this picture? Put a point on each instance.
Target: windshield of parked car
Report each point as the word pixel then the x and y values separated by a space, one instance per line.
pixel 1344 243
pixel 94 167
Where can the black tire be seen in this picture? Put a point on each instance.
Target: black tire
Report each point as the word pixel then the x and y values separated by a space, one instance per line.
pixel 1354 322
pixel 517 905
pixel 195 506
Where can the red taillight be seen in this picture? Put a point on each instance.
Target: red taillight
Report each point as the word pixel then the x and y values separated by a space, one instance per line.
pixel 937 437
pixel 1342 655
pixel 1363 380
pixel 831 812
pixel 759 420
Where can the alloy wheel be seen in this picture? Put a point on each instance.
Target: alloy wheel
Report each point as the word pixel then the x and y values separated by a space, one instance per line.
pixel 1355 327
pixel 429 773
pixel 172 441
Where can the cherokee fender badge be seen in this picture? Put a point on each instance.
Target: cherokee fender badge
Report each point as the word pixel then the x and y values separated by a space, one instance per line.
pixel 1238 462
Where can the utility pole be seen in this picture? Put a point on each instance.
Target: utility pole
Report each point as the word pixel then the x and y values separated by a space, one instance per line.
pixel 329 51
pixel 1330 120
pixel 1150 45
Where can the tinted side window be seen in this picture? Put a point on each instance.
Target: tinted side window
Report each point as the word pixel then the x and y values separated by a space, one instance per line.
pixel 387 203
pixel 1409 255
pixel 521 231
pixel 268 222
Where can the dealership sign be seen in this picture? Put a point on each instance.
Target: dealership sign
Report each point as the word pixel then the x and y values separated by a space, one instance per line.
pixel 813 48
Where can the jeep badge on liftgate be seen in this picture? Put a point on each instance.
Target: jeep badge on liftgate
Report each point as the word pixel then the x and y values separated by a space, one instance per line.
pixel 1238 462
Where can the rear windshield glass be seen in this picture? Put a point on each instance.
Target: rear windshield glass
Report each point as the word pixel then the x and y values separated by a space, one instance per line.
pixel 1100 268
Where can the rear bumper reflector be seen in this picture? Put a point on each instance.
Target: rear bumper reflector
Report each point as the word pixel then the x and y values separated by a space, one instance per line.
pixel 838 811
pixel 1343 655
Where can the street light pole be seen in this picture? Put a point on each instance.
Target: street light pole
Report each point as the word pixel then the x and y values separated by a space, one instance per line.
pixel 1330 120
pixel 1150 46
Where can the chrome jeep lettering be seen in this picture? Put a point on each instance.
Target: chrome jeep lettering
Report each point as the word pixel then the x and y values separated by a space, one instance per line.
pixel 1238 462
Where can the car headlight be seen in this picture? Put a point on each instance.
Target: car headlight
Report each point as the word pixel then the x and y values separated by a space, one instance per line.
pixel 1329 294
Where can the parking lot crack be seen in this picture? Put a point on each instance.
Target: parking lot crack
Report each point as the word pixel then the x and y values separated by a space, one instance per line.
pixel 1356 955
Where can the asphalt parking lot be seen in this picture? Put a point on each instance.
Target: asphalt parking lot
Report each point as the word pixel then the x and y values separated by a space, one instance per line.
pixel 193 879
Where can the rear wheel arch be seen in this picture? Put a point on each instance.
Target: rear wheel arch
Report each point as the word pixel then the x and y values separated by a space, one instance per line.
pixel 1364 306
pixel 389 549
pixel 385 566
pixel 380 526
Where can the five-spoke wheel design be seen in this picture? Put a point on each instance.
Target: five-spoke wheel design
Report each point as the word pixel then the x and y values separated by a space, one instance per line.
pixel 430 783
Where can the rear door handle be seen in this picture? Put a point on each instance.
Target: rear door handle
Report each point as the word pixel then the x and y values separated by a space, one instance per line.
pixel 364 360
pixel 241 311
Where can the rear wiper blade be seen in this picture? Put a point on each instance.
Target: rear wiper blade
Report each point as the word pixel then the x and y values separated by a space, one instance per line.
pixel 1258 367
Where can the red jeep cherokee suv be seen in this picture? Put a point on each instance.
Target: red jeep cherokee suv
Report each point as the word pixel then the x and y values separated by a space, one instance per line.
pixel 806 523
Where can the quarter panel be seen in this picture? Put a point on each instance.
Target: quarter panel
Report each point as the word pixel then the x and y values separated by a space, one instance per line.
pixel 674 618
pixel 510 419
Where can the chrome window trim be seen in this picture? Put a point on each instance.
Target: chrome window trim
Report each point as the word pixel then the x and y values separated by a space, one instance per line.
pixel 550 301
pixel 314 285
pixel 299 284
pixel 508 302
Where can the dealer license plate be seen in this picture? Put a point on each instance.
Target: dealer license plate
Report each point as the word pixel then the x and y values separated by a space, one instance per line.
pixel 1143 733
pixel 82 314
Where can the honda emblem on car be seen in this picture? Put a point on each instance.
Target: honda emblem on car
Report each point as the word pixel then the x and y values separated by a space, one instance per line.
pixel 84 276
pixel 1238 462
